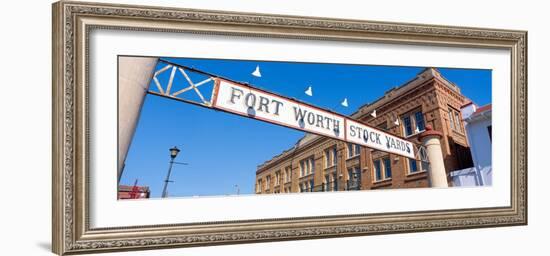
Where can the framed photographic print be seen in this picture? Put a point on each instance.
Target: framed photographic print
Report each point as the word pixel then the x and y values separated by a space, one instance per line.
pixel 178 127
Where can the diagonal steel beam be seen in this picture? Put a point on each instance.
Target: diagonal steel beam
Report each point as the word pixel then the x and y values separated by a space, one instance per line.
pixel 171 80
pixel 193 85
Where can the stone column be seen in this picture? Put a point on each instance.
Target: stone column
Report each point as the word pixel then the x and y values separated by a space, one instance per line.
pixel 431 141
pixel 134 76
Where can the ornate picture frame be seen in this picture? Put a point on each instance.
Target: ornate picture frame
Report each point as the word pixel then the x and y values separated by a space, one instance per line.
pixel 72 24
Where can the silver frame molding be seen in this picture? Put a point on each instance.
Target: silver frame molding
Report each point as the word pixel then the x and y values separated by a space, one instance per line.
pixel 72 22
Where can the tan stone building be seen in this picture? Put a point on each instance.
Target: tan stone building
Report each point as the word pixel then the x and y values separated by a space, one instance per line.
pixel 318 163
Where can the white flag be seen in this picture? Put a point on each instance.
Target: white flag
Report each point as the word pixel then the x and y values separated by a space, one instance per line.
pixel 373 114
pixel 256 72
pixel 345 102
pixel 309 91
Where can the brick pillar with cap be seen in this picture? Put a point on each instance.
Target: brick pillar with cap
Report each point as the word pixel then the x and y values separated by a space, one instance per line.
pixel 431 140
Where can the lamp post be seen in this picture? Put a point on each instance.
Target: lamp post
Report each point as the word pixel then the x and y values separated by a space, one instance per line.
pixel 173 153
pixel 238 189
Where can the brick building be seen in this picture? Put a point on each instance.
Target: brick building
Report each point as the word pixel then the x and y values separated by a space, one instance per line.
pixel 133 192
pixel 318 163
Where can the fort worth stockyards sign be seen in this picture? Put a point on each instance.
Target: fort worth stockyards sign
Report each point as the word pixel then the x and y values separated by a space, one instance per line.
pixel 266 106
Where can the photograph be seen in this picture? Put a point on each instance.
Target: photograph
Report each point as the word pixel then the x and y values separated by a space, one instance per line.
pixel 180 127
pixel 196 127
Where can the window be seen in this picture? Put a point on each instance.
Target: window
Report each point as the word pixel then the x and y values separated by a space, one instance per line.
pixel 387 167
pixel 424 159
pixel 416 166
pixel 424 166
pixel 354 178
pixel 285 175
pixel 259 187
pixel 306 186
pixel 353 150
pixel 451 119
pixel 413 167
pixel 413 123
pixel 311 185
pixel 307 166
pixel 419 121
pixel 457 121
pixel 288 174
pixel 489 129
pixel 353 173
pixel 408 126
pixel 334 182
pixel 330 157
pixel 277 178
pixel 330 182
pixel 377 170
pixel 454 120
pixel 382 169
pixel 327 158
pixel 311 165
pixel 268 182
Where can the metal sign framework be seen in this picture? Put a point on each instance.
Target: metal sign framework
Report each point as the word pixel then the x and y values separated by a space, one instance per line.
pixel 207 99
pixel 166 92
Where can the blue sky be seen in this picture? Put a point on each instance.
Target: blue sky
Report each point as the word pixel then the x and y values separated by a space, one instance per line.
pixel 223 150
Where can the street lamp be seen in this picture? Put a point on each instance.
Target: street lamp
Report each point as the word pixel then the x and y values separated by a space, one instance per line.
pixel 173 153
pixel 238 189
